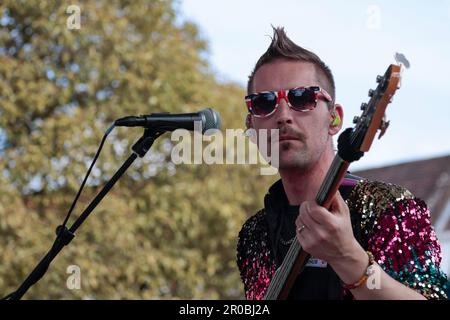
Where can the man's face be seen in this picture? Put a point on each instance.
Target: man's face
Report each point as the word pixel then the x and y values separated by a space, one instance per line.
pixel 303 135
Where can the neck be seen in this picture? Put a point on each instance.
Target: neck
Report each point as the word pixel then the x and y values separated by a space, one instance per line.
pixel 302 184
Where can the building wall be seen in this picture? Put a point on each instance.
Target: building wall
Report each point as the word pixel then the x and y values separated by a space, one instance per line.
pixel 444 239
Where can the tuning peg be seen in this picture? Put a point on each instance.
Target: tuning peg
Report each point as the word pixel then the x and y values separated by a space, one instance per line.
pixel 383 126
pixel 363 106
pixel 355 119
pixel 371 92
pixel 379 79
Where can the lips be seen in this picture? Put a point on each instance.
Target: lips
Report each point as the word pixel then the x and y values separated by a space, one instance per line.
pixel 287 137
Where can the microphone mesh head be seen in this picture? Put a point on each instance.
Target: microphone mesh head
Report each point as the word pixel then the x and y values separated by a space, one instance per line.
pixel 212 119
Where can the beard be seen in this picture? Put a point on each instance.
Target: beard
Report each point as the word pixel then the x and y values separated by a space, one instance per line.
pixel 301 154
pixel 294 155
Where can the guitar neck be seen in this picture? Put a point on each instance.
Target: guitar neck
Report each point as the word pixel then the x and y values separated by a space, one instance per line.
pixel 355 142
pixel 296 258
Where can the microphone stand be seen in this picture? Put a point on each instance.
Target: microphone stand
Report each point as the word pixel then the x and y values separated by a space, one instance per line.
pixel 63 235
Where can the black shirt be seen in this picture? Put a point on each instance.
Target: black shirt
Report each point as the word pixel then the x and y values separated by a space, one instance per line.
pixel 315 282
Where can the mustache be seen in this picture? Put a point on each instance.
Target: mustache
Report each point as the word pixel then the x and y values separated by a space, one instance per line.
pixel 288 131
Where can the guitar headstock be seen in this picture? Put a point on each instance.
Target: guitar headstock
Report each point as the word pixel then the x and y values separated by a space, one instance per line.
pixel 372 118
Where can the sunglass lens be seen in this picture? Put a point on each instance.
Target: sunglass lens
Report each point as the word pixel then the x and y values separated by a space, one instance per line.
pixel 264 103
pixel 302 98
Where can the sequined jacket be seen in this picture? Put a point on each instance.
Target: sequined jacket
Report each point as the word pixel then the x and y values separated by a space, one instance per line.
pixel 387 220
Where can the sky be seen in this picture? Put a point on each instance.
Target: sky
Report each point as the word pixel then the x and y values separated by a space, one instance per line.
pixel 358 40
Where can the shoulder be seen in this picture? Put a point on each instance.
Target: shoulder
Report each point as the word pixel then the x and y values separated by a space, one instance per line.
pixel 254 256
pixel 253 227
pixel 372 199
pixel 375 197
pixel 382 192
pixel 253 240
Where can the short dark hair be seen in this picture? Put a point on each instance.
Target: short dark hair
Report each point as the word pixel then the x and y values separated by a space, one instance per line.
pixel 282 47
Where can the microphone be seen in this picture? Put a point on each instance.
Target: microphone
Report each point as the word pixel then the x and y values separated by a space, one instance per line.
pixel 164 121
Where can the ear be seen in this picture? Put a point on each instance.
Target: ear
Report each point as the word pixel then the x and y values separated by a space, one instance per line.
pixel 249 121
pixel 336 119
pixel 250 130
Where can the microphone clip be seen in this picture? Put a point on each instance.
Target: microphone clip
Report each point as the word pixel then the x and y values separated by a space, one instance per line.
pixel 145 142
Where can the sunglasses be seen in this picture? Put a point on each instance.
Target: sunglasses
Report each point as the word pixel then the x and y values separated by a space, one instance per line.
pixel 263 104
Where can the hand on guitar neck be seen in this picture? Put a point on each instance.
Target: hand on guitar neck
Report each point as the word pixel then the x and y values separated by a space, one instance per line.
pixel 328 235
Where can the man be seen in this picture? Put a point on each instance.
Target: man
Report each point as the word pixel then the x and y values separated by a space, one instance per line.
pixel 380 230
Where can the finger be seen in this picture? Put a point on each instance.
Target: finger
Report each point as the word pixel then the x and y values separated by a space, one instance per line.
pixel 301 236
pixel 303 226
pixel 308 208
pixel 317 213
pixel 308 220
pixel 299 221
pixel 300 224
pixel 338 205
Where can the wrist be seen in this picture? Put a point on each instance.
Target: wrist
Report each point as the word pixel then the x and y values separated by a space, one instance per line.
pixel 351 267
pixel 363 279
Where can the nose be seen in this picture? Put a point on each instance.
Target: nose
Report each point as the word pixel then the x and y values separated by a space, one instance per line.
pixel 284 113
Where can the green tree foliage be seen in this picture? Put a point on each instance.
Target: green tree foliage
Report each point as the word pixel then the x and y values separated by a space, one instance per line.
pixel 165 231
